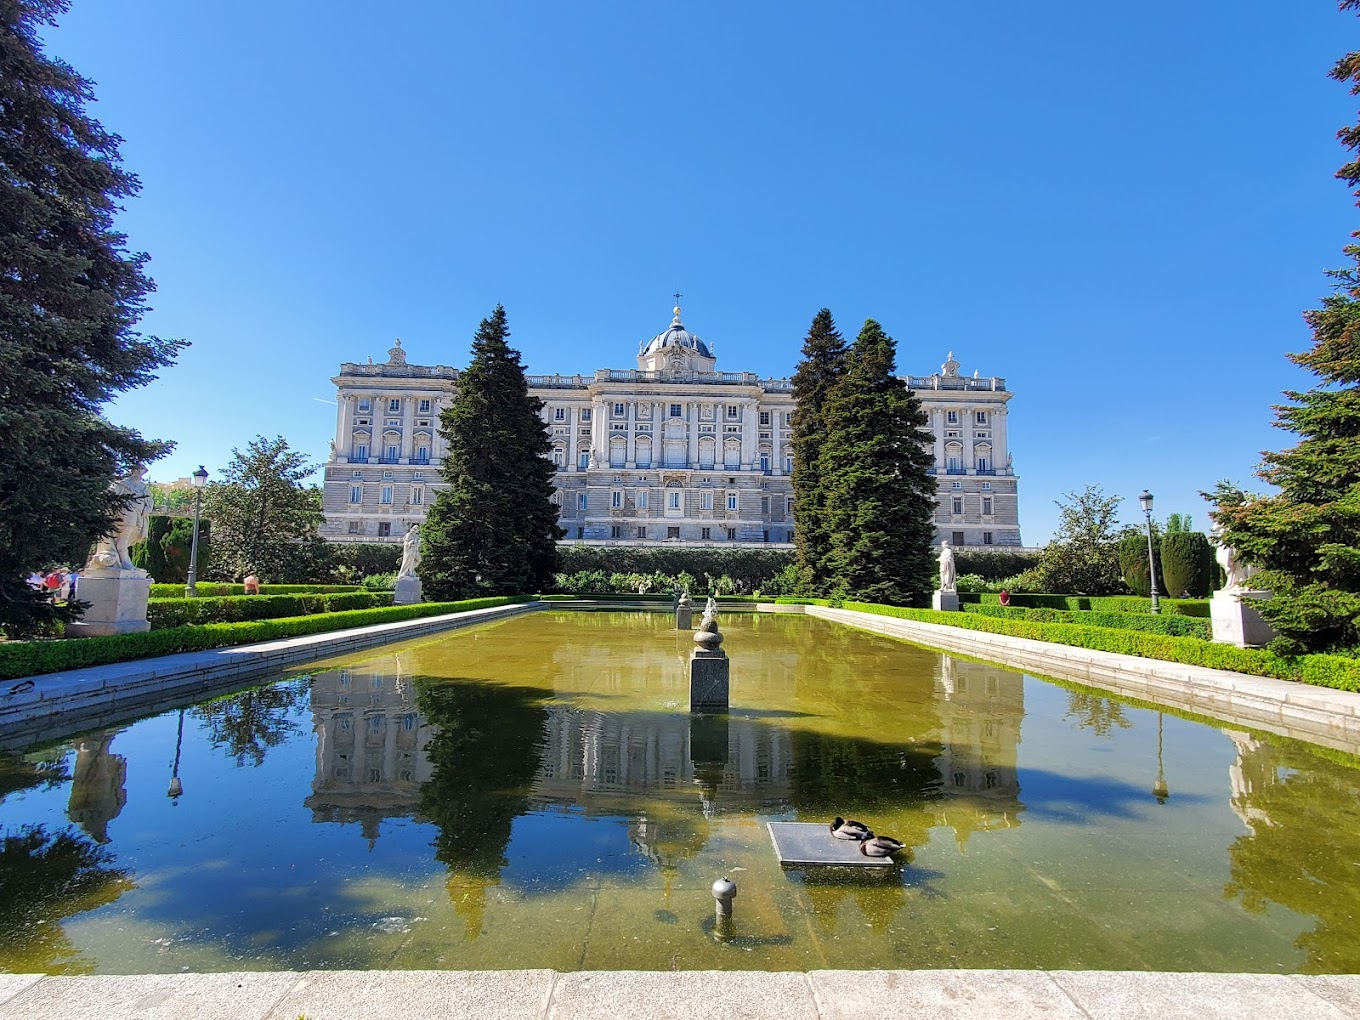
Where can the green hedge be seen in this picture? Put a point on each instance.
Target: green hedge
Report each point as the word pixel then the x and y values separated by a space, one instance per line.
pixel 1320 670
pixel 1176 626
pixel 164 613
pixel 215 589
pixel 1095 603
pixel 31 658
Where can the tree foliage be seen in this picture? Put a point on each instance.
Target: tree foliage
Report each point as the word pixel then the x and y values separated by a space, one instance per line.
pixel 264 520
pixel 1306 538
pixel 823 364
pixel 71 295
pixel 874 468
pixel 1133 562
pixel 166 550
pixel 493 529
pixel 1083 557
pixel 1186 561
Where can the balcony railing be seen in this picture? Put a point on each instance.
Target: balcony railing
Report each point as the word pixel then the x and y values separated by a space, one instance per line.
pixel 956 471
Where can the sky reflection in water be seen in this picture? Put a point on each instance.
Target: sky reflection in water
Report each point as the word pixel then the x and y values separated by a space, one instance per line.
pixel 534 794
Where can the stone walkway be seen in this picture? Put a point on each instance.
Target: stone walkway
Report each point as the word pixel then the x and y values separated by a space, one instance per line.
pixel 684 995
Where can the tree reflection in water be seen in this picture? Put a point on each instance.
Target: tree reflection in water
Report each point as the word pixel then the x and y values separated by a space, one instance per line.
pixel 1098 714
pixel 484 755
pixel 46 877
pixel 1299 852
pixel 249 723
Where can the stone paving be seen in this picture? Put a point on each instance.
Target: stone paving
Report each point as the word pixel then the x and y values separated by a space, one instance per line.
pixel 683 995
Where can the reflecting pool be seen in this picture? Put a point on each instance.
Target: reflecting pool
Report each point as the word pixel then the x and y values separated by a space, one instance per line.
pixel 533 793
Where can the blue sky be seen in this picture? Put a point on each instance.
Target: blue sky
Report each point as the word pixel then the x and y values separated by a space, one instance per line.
pixel 1122 209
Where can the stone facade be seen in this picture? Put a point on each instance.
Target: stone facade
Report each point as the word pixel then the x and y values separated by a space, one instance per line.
pixel 672 451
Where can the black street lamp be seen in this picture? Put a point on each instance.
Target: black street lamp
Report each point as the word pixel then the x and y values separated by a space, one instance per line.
pixel 1145 501
pixel 176 787
pixel 200 478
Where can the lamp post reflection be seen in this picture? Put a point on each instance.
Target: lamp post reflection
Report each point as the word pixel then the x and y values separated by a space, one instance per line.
pixel 1159 787
pixel 176 787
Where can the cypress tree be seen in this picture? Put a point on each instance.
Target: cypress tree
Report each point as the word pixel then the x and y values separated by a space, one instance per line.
pixel 493 529
pixel 874 464
pixel 822 365
pixel 1184 560
pixel 1306 537
pixel 71 295
pixel 1133 563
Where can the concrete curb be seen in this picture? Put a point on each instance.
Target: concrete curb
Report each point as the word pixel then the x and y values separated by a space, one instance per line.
pixel 1319 715
pixel 98 695
pixel 683 995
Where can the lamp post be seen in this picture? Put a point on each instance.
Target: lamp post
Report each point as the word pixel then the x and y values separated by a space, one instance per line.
pixel 1159 788
pixel 1145 501
pixel 176 787
pixel 200 478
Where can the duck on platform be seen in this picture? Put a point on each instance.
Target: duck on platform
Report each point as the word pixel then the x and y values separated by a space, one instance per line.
pixel 880 846
pixel 843 828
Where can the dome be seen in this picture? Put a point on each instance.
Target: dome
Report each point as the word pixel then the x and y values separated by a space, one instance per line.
pixel 677 336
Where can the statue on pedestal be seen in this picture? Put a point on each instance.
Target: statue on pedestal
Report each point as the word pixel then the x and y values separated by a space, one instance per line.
pixel 1236 571
pixel 948 572
pixel 130 527
pixel 410 552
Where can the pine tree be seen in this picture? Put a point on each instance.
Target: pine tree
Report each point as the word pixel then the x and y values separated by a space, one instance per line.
pixel 70 298
pixel 874 465
pixel 493 529
pixel 1306 538
pixel 822 365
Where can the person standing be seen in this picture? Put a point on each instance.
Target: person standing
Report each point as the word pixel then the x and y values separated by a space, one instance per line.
pixel 251 583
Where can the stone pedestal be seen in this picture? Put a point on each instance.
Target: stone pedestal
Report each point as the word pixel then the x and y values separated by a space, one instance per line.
pixel 684 618
pixel 1235 622
pixel 117 601
pixel 408 591
pixel 709 670
pixel 945 601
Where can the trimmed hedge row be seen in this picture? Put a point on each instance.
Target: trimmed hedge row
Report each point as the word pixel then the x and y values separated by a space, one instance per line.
pixel 1198 608
pixel 32 658
pixel 163 613
pixel 614 596
pixel 1176 626
pixel 214 589
pixel 1320 670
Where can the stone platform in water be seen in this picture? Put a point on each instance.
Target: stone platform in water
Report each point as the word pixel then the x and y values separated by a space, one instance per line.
pixel 798 844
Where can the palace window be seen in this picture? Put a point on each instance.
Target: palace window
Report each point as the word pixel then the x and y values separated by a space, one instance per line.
pixel 986 538
pixel 390 453
pixel 387 494
pixel 952 417
pixel 356 527
pixel 361 451
pixel 788 505
pixel 956 485
pixel 765 418
pixel 673 499
pixel 394 406
pixel 384 529
pixel 582 501
pixel 616 499
pixel 980 418
pixel 615 531
pixel 957 537
pixel 765 462
pixel 423 407
pixel 618 410
pixel 764 506
pixel 644 499
pixel 356 474
pixel 417 495
pixel 986 504
pixel 675 410
pixel 731 534
pixel 642 532
pixel 583 459
pixel 356 493
pixel 422 455
pixel 958 504
pixel 585 414
pixel 788 465
pixel 732 411
pixel 706 501
pixel 731 501
pixel 560 414
pixel 365 405
pixel 706 534
pixel 672 533
pixel 987 486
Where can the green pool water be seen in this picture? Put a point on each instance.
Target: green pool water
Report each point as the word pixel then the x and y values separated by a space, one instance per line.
pixel 534 793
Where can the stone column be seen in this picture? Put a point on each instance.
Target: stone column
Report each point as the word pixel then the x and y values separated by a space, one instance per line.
pixel 937 424
pixel 344 427
pixel 691 409
pixel 408 426
pixel 630 438
pixel 748 436
pixel 1000 456
pixel 598 424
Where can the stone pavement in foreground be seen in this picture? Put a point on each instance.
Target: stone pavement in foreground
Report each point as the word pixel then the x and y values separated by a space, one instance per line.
pixel 683 995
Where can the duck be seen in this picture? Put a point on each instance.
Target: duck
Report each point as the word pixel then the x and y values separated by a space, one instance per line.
pixel 880 846
pixel 842 828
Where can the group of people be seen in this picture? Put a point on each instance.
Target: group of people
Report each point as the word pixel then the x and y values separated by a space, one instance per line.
pixel 59 583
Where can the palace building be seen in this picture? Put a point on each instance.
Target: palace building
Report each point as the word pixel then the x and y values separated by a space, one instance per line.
pixel 670 451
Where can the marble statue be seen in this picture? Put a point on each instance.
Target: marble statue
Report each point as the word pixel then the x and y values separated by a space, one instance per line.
pixel 711 608
pixel 410 552
pixel 111 551
pixel 1236 571
pixel 948 574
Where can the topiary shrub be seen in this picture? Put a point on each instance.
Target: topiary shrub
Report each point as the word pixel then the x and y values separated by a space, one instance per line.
pixel 1186 560
pixel 1133 563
